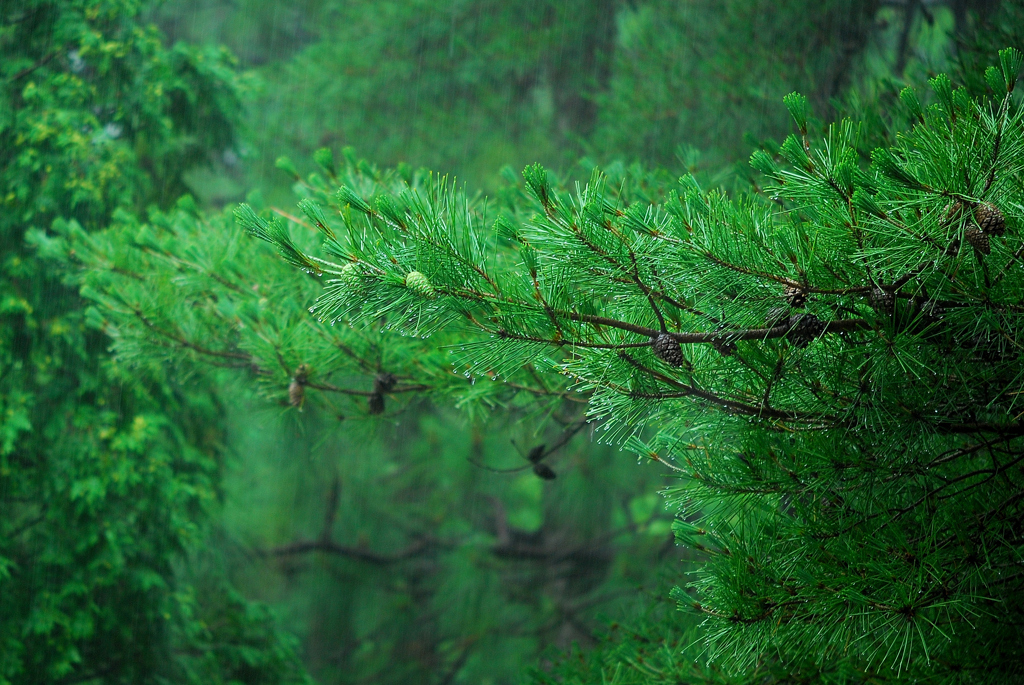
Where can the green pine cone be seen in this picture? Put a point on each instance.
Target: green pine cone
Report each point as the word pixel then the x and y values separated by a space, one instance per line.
pixel 419 284
pixel 350 273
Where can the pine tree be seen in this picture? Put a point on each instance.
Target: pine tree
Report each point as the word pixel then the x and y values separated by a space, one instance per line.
pixel 830 366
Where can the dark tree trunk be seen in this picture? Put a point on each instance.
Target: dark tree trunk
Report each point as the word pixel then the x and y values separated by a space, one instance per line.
pixel 963 8
pixel 853 28
pixel 582 67
pixel 902 52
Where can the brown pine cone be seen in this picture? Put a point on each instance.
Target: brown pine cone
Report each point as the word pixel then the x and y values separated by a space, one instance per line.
pixel 796 296
pixel 990 219
pixel 803 329
pixel 667 349
pixel 297 387
pixel 978 240
pixel 951 212
pixel 882 301
pixel 297 393
pixel 384 382
pixel 544 471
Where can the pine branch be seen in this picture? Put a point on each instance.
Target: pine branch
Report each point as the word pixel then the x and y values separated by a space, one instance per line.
pixel 357 553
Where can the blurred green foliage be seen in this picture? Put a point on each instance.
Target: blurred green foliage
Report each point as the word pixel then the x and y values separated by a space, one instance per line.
pixel 469 86
pixel 465 86
pixel 707 73
pixel 468 603
pixel 108 474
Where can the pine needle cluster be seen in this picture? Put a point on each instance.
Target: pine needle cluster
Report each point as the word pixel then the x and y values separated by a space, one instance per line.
pixel 832 366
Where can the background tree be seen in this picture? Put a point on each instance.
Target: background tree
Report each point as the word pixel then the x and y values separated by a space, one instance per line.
pixel 470 86
pixel 710 73
pixel 473 86
pixel 107 474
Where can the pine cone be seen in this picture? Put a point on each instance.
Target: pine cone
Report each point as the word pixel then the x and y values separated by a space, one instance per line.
pixel 544 471
pixel 990 219
pixel 376 403
pixel 536 453
pixel 350 273
pixel 296 393
pixel 776 317
pixel 419 284
pixel 667 349
pixel 383 383
pixel 796 296
pixel 978 240
pixel 297 387
pixel 951 212
pixel 882 301
pixel 803 329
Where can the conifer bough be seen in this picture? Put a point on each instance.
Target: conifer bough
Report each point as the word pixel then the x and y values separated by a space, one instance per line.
pixel 853 473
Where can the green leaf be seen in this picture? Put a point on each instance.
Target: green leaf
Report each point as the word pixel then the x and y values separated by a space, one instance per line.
pixel 286 165
pixel 316 215
pixel 388 207
pixel 798 107
pixel 994 79
pixel 888 164
pixel 325 158
pixel 276 233
pixel 943 88
pixel 763 162
pixel 537 181
pixel 347 197
pixel 506 228
pixel 863 201
pixel 793 150
pixel 908 96
pixel 1010 61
